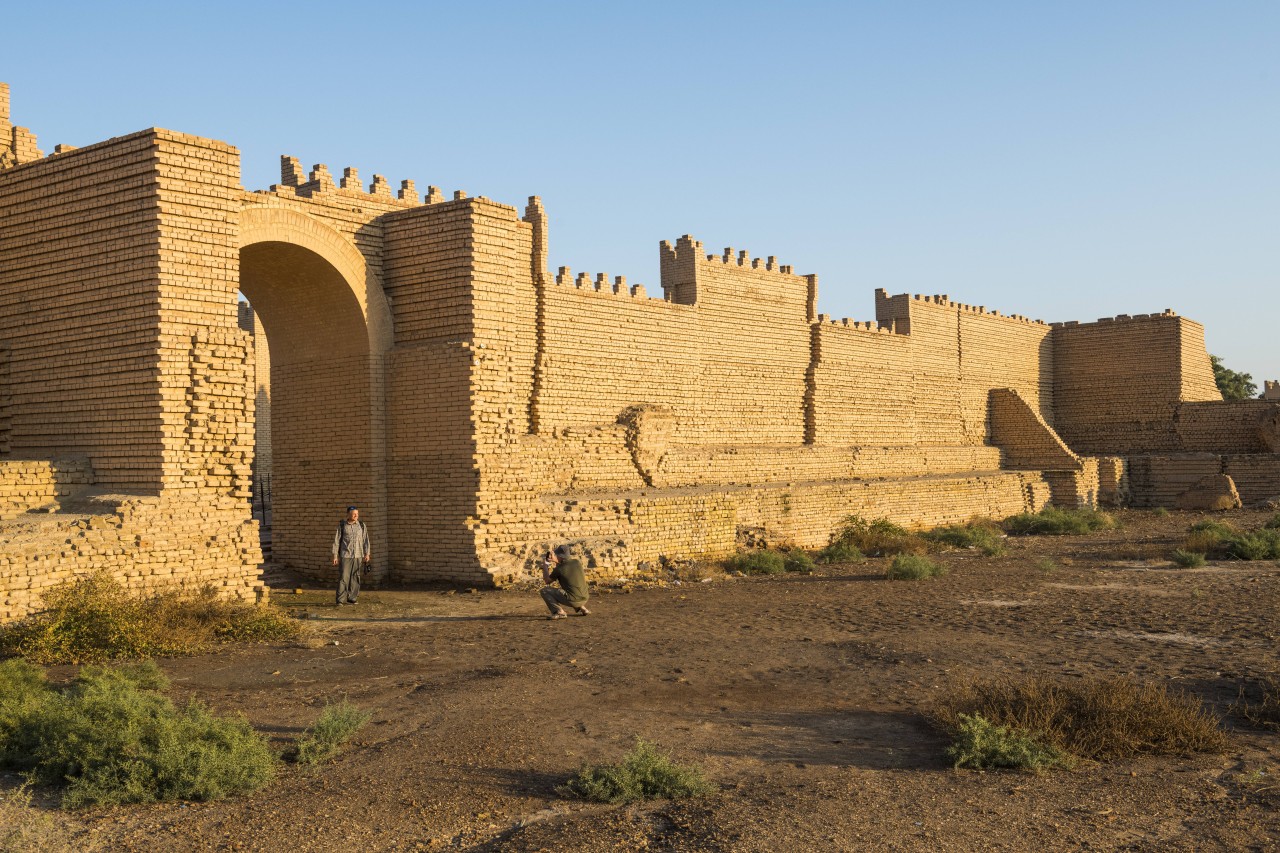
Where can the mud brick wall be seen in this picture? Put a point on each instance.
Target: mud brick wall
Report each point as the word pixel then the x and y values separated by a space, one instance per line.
pixel 148 544
pixel 433 470
pixel 27 484
pixel 1239 426
pixel 1158 480
pixel 260 388
pixel 1117 382
pixel 78 265
pixel 1257 476
pixel 862 386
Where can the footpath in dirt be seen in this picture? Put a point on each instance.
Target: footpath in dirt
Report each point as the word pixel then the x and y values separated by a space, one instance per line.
pixel 802 697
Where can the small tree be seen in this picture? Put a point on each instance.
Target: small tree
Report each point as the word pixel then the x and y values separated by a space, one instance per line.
pixel 1233 385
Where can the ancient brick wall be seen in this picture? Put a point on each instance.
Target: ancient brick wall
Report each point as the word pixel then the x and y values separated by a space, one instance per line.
pixel 425 365
pixel 1118 382
pixel 78 265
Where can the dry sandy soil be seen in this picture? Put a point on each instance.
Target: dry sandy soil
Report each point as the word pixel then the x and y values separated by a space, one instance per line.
pixel 801 696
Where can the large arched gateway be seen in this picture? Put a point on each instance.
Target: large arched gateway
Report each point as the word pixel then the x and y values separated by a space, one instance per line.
pixel 427 367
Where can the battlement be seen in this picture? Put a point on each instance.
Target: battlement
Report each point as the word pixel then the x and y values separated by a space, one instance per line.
pixel 874 327
pixel 1119 318
pixel 602 284
pixel 687 248
pixel 1271 389
pixel 17 144
pixel 897 309
pixel 319 182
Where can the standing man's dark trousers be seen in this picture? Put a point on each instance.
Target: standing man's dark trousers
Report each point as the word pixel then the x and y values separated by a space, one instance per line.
pixel 349 584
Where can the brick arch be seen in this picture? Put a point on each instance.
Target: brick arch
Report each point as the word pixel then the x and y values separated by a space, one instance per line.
pixel 328 326
pixel 279 225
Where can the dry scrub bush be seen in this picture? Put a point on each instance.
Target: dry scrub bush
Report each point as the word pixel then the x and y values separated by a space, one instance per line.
pixel 770 562
pixel 1259 703
pixel 1053 521
pixel 113 737
pixel 1223 540
pixel 1097 719
pixel 879 538
pixel 95 619
pixel 643 774
pixel 334 727
pixel 25 828
pixel 913 568
pixel 1188 559
pixel 980 533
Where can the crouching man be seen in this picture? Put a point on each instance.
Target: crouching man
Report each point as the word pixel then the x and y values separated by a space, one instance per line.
pixel 559 567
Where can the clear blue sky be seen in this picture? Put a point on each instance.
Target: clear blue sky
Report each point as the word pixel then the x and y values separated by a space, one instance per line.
pixel 1062 160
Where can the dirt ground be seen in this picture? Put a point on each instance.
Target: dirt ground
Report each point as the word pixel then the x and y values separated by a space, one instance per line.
pixel 801 696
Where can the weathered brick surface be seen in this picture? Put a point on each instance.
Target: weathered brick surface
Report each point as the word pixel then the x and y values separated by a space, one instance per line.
pixel 424 364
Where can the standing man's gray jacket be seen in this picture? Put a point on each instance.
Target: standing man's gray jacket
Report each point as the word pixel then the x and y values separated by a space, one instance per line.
pixel 351 541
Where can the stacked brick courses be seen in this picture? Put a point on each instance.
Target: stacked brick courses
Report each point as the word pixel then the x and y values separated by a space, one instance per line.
pixel 425 365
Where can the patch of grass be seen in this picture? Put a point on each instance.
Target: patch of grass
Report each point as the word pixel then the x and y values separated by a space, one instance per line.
pixel 1259 703
pixel 644 773
pixel 764 562
pixel 879 538
pixel 1273 523
pixel 1160 512
pixel 1223 540
pixel 1046 565
pixel 798 561
pixel 334 727
pixel 1259 545
pixel 1054 521
pixel 1188 559
pixel 95 619
pixel 841 552
pixel 982 745
pixel 980 533
pixel 913 567
pixel 24 827
pixel 1096 719
pixel 113 737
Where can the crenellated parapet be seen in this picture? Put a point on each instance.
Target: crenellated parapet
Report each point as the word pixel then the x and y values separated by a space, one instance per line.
pixel 319 183
pixel 601 283
pixel 1119 318
pixel 17 144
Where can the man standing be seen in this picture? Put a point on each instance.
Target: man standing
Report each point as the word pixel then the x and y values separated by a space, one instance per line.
pixel 559 567
pixel 351 547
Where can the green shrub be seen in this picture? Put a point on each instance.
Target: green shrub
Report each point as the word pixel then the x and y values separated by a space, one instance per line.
pixel 1053 521
pixel 643 774
pixel 94 619
pixel 1223 540
pixel 1188 559
pixel 798 561
pixel 841 552
pixel 1160 512
pixel 757 563
pixel 113 737
pixel 982 534
pixel 1046 565
pixel 1259 545
pixel 913 567
pixel 1098 719
pixel 982 745
pixel 1273 523
pixel 334 727
pixel 879 538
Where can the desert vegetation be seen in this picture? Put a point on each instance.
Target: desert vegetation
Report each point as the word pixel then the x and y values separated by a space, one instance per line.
pixel 95 619
pixel 644 773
